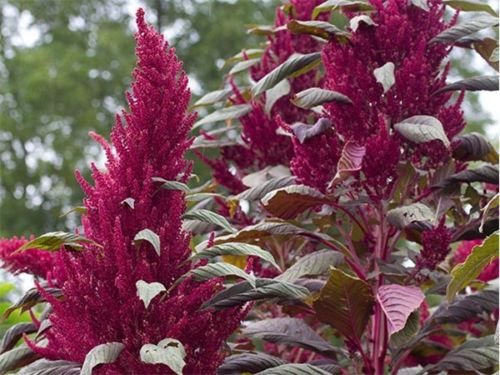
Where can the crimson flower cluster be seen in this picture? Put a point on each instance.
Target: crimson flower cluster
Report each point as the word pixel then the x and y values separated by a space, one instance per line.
pixel 100 303
pixel 401 35
pixel 33 261
pixel 263 146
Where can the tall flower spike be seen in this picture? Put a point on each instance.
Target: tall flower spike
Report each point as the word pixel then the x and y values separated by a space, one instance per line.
pixel 402 37
pixel 100 302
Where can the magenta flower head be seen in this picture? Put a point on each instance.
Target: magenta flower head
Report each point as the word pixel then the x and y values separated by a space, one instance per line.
pixel 395 43
pixel 101 303
pixel 436 246
pixel 36 262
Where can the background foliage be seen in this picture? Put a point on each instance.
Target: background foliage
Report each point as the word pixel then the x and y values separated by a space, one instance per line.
pixel 71 80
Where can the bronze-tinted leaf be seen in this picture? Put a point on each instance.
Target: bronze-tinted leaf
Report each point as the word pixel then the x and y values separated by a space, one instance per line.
pixel 290 331
pixel 288 202
pixel 321 29
pixel 345 303
pixel 473 147
pixel 248 362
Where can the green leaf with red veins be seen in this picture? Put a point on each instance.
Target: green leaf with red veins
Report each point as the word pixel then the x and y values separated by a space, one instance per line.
pixel 397 303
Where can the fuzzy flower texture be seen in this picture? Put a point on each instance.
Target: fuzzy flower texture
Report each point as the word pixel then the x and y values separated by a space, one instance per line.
pixel 100 303
pixel 400 35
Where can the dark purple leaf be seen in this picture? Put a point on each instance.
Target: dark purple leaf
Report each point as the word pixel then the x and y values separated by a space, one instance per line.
pixel 303 131
pixel 482 83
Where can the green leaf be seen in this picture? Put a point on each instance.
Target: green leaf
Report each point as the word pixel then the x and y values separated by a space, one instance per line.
pixel 16 358
pixel 46 367
pixel 481 83
pixel 315 96
pixel 401 217
pixel 129 202
pixel 486 48
pixel 348 5
pixel 197 197
pixel 78 209
pixel 244 292
pixel 465 307
pixel 211 270
pixel 385 76
pixel 248 362
pixel 470 6
pixel 168 352
pixel 400 338
pixel 474 147
pixel 149 236
pixel 101 354
pixel 212 97
pixel 397 303
pixel 481 255
pixel 223 114
pixel 266 229
pixel 53 241
pixel 422 129
pixel 15 333
pixel 275 93
pixel 246 54
pixel 473 355
pixel 321 29
pixel 346 303
pixel 350 161
pixel 210 217
pixel 316 263
pixel 288 202
pixel 31 298
pixel 484 173
pixel 264 30
pixel 243 65
pixel 422 4
pixel 172 185
pixel 147 291
pixel 289 331
pixel 493 203
pixel 236 248
pixel 355 21
pixel 294 369
pixel 456 32
pixel 259 191
pixel 293 66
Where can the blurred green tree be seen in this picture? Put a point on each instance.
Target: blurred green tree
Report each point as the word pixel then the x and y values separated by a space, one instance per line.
pixel 69 75
pixel 70 79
